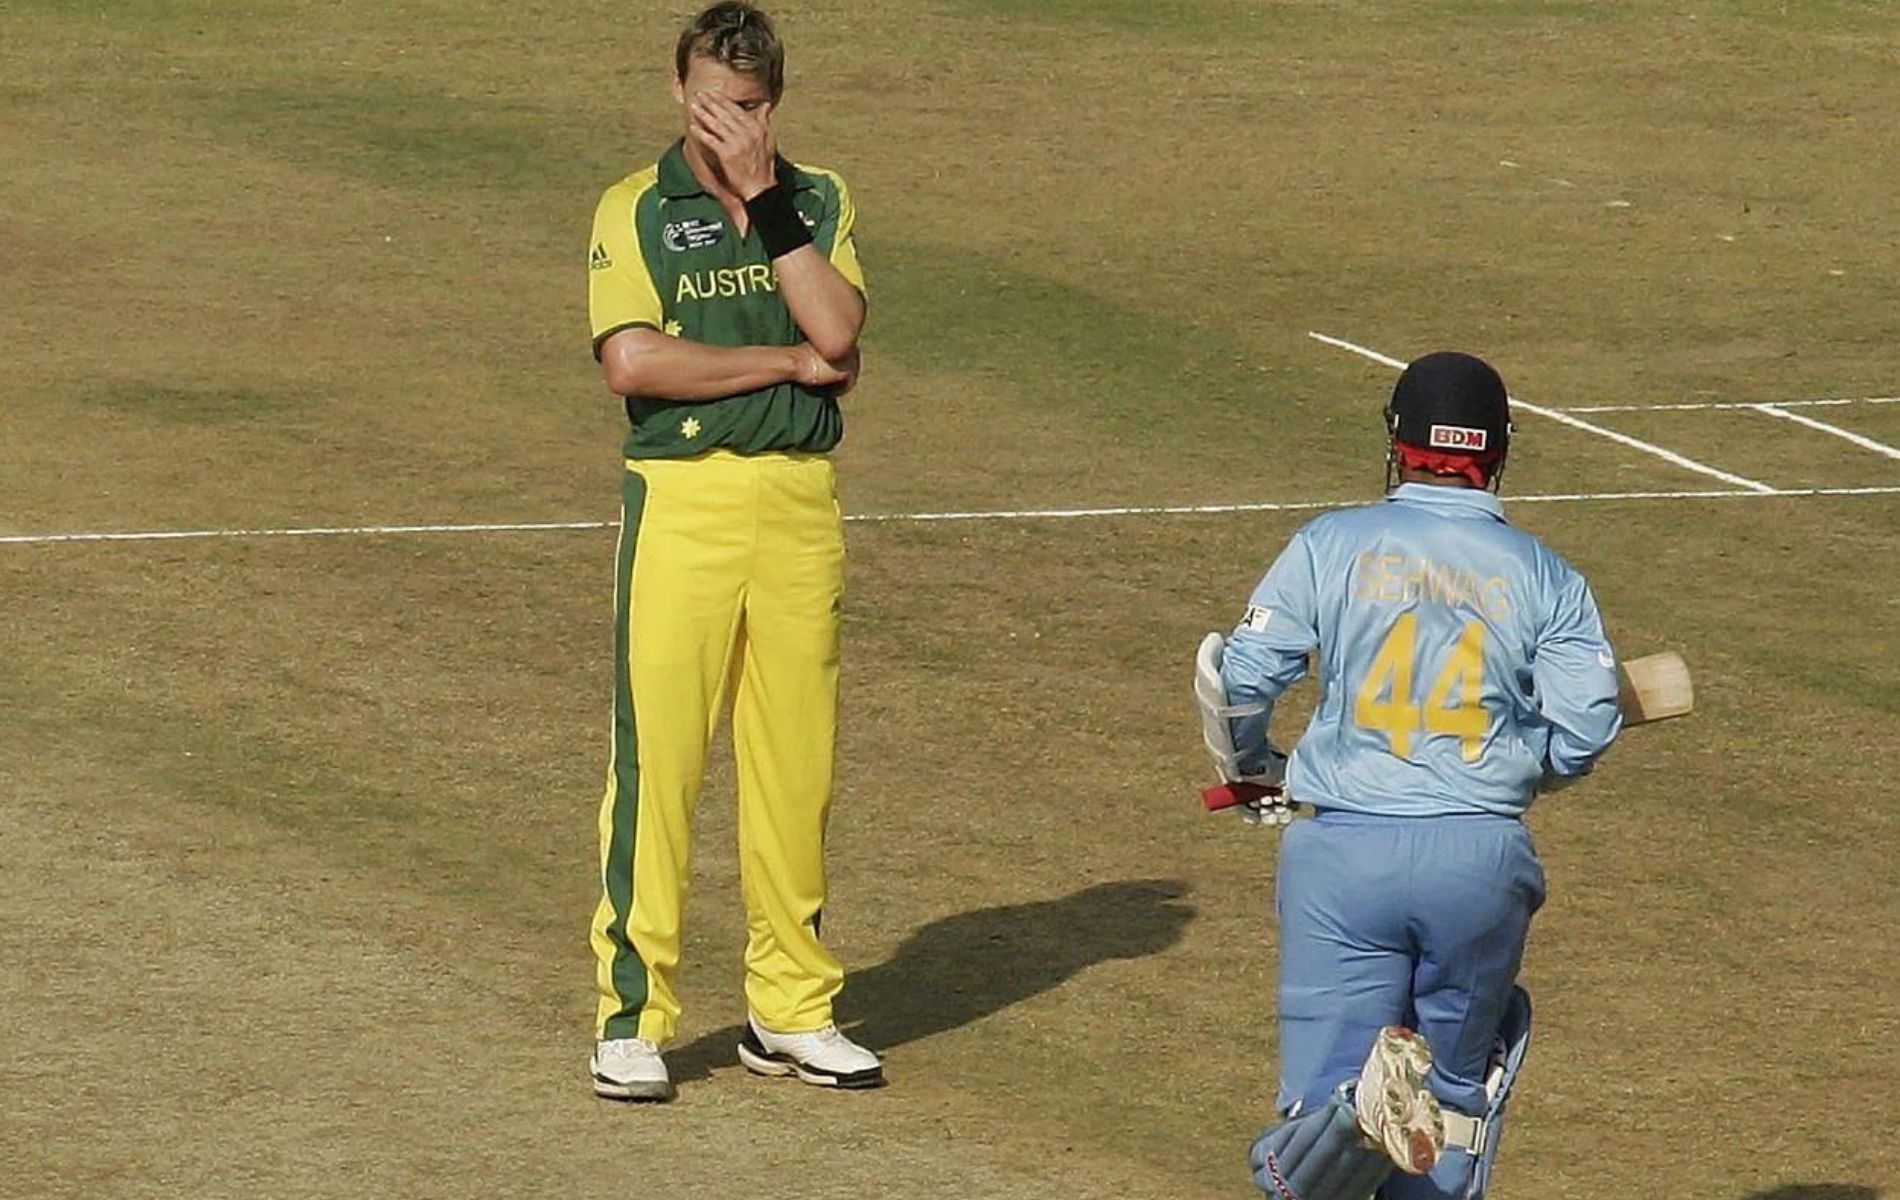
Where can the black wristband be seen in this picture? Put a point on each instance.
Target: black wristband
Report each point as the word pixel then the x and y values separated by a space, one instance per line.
pixel 776 218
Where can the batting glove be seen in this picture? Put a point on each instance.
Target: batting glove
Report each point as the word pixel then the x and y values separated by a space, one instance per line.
pixel 1269 812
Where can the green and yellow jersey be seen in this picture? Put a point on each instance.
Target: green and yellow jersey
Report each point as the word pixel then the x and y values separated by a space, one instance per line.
pixel 665 257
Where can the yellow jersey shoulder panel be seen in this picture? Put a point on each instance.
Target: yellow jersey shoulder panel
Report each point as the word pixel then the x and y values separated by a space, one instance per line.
pixel 620 289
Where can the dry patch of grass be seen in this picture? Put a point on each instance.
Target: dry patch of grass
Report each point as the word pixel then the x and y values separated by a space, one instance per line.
pixel 300 845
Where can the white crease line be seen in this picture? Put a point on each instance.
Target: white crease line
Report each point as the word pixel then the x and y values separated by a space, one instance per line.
pixel 1397 364
pixel 1868 443
pixel 188 535
pixel 1136 510
pixel 1024 514
pixel 1680 460
pixel 1709 405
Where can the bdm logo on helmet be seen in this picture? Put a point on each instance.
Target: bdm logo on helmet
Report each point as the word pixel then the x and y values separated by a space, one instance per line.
pixel 1458 437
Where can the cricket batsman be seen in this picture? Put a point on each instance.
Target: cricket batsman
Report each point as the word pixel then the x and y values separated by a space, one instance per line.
pixel 726 301
pixel 1463 669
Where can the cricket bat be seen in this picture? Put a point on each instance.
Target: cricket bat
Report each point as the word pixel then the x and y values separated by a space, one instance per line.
pixel 1654 687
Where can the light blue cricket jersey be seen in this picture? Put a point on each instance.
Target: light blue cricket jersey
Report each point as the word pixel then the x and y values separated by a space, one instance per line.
pixel 1460 660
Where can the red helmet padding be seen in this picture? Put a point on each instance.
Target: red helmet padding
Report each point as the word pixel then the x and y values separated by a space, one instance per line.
pixel 1475 467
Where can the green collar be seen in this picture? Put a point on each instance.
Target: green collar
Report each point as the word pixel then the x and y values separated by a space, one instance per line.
pixel 678 181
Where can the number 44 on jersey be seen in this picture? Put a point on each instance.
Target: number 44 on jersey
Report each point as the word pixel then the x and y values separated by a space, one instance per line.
pixel 1454 707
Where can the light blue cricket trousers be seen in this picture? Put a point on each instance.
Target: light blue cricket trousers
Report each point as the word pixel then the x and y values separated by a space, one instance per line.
pixel 1416 921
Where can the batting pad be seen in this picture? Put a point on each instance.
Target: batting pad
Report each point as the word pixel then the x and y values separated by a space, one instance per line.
pixel 1318 1155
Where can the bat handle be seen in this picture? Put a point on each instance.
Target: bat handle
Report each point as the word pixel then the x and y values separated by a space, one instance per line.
pixel 1232 795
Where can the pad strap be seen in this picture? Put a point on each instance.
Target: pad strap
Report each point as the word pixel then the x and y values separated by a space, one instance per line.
pixel 1251 709
pixel 1217 711
pixel 1464 1133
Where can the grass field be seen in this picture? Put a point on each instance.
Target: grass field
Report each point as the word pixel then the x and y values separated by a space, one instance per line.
pixel 296 834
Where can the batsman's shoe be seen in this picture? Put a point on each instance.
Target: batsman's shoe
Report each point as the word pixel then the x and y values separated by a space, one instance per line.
pixel 630 1069
pixel 1395 1110
pixel 825 1057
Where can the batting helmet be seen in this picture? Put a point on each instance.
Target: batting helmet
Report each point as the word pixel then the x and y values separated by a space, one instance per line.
pixel 1449 415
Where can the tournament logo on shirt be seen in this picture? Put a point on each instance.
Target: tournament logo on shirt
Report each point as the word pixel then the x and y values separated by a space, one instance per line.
pixel 694 233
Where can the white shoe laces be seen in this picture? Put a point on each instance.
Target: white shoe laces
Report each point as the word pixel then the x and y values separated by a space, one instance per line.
pixel 822 1037
pixel 632 1046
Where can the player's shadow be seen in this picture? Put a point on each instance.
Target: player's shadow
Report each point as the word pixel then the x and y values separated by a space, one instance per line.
pixel 1817 1191
pixel 963 968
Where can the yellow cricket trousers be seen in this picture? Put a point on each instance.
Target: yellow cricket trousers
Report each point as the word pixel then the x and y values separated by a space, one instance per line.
pixel 730 571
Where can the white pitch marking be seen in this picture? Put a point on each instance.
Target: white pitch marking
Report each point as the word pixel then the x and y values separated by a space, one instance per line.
pixel 1858 439
pixel 1563 417
pixel 190 535
pixel 1705 406
pixel 1177 510
pixel 1397 364
pixel 1024 514
pixel 1135 510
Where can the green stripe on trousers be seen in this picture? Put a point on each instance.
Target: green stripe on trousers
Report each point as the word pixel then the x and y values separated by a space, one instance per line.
pixel 629 973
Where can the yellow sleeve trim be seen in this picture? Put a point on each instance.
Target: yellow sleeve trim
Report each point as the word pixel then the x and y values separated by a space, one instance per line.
pixel 620 289
pixel 844 246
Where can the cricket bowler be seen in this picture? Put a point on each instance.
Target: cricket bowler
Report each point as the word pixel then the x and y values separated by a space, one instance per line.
pixel 1463 669
pixel 726 300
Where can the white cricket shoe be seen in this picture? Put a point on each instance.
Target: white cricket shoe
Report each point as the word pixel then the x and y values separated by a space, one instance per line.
pixel 825 1057
pixel 1395 1109
pixel 630 1069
